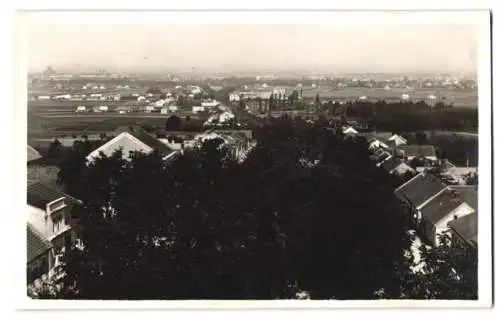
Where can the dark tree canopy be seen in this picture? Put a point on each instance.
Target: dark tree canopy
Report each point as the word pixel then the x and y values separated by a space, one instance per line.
pixel 55 150
pixel 173 123
pixel 307 211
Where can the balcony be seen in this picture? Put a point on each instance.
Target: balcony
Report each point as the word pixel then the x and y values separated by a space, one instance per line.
pixel 56 205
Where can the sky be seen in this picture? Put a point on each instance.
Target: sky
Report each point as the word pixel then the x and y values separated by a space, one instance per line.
pixel 328 48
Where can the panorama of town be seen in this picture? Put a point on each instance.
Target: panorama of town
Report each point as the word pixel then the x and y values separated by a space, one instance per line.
pixel 259 182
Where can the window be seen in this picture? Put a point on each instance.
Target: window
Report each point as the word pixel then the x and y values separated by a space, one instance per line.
pixel 57 223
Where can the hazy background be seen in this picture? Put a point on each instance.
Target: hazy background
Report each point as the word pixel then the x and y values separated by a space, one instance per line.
pixel 332 48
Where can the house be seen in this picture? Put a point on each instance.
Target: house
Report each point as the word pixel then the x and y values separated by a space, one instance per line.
pixel 164 110
pixel 397 140
pixel 148 108
pixel 238 142
pixel 225 117
pixel 39 254
pixel 197 109
pixel 464 232
pixel 374 144
pixel 467 193
pixel 234 97
pixel 394 165
pixel 81 109
pixel 209 103
pixel 131 139
pixel 159 103
pixel 101 108
pixel 417 192
pixel 173 108
pixel 33 156
pixel 53 214
pixel 350 131
pixel 439 211
pixel 379 156
pixel 460 174
pixel 123 109
pixel 413 151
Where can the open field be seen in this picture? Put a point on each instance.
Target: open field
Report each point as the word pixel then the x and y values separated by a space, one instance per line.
pixel 448 96
pixel 50 119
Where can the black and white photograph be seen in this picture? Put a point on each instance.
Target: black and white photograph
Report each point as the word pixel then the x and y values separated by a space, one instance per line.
pixel 226 156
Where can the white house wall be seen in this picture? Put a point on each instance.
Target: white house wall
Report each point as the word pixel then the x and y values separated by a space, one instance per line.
pixel 460 211
pixel 36 218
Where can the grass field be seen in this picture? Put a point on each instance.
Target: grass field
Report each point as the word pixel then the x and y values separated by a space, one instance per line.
pixel 50 119
pixel 448 96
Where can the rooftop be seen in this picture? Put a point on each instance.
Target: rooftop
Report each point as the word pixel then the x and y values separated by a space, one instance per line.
pixel 468 194
pixel 32 154
pixel 39 195
pixel 466 227
pixel 440 206
pixel 130 139
pixel 397 139
pixel 419 150
pixel 419 189
pixel 36 244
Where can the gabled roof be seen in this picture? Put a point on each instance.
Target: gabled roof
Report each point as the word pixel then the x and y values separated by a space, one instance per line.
pixel 378 143
pixel 466 227
pixel 440 206
pixel 419 189
pixel 398 140
pixel 151 141
pixel 349 130
pixel 124 141
pixel 131 139
pixel 377 158
pixel 392 163
pixel 467 193
pixel 32 154
pixel 39 195
pixel 419 150
pixel 36 244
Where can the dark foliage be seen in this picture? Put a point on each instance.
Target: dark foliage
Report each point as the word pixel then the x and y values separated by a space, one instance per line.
pixel 173 123
pixel 55 150
pixel 307 211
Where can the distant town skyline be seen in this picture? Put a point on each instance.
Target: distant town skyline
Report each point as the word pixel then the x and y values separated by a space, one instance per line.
pixel 246 48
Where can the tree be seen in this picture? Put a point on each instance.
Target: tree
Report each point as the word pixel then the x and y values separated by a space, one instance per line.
pixel 55 149
pixel 448 273
pixel 173 123
pixel 471 179
pixel 73 163
pixel 181 100
pixel 206 227
pixel 154 91
pixel 421 138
